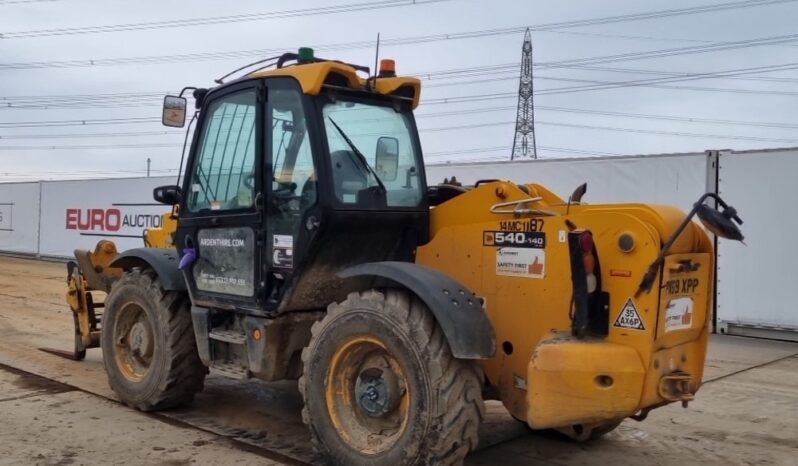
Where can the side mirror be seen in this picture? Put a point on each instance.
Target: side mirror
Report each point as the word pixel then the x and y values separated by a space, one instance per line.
pixel 387 159
pixel 169 194
pixel 721 224
pixel 174 111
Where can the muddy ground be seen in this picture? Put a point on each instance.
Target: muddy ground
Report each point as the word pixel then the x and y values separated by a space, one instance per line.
pixel 746 413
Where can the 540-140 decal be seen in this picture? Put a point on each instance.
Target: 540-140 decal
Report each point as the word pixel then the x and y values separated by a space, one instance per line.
pixel 518 239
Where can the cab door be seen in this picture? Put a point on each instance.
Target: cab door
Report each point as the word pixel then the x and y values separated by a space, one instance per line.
pixel 291 208
pixel 221 217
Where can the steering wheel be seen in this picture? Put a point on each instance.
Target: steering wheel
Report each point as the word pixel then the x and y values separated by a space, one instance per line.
pixel 285 190
pixel 285 198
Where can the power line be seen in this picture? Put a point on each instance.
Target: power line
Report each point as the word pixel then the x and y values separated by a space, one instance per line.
pixel 640 37
pixel 475 150
pixel 446 128
pixel 676 118
pixel 658 82
pixel 82 97
pixel 762 124
pixel 591 85
pixel 581 63
pixel 601 85
pixel 86 122
pixel 616 129
pixel 669 133
pixel 89 147
pixel 90 135
pixel 17 2
pixel 547 27
pixel 682 74
pixel 503 73
pixel 496 73
pixel 696 49
pixel 240 18
pixel 28 174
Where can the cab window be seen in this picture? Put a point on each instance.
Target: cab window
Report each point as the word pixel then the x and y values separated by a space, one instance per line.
pixel 372 147
pixel 293 178
pixel 223 176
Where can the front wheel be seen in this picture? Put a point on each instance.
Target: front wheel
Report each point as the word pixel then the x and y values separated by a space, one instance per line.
pixel 149 351
pixel 381 386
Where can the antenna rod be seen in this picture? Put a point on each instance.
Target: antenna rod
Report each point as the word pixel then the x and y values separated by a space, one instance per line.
pixel 376 60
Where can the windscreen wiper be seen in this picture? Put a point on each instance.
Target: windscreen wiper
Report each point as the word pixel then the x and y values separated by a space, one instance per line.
pixel 360 156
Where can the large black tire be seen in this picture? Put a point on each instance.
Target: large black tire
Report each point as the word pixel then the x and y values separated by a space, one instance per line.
pixel 172 372
pixel 444 405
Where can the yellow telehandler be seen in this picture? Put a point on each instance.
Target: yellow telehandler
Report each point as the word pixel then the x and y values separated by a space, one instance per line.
pixel 304 242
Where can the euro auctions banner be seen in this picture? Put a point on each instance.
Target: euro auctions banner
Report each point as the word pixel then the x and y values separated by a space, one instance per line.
pixel 78 214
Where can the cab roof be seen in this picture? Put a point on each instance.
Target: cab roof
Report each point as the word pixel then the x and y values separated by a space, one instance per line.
pixel 313 77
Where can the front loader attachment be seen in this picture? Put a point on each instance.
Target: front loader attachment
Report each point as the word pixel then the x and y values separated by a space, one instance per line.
pixel 89 277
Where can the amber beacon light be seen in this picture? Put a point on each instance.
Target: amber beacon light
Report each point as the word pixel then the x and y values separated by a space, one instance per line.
pixel 387 68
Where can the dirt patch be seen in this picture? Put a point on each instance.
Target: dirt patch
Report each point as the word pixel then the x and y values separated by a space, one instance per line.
pixel 33 385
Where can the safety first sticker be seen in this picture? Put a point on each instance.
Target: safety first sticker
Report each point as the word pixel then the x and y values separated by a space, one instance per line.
pixel 521 262
pixel 679 314
pixel 521 251
pixel 629 317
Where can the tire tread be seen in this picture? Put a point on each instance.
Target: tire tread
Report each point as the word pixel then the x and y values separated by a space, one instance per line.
pixel 183 373
pixel 460 409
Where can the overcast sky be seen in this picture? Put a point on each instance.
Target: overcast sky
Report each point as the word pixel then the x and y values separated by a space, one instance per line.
pixel 450 131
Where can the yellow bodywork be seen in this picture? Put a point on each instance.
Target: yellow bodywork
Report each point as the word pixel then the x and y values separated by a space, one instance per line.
pixel 93 273
pixel 542 373
pixel 162 237
pixel 313 76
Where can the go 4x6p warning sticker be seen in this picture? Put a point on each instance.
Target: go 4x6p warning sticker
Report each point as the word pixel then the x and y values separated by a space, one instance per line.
pixel 629 317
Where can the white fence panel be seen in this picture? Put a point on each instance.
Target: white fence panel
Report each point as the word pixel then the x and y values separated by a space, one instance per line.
pixel 19 217
pixel 77 214
pixel 664 179
pixel 756 281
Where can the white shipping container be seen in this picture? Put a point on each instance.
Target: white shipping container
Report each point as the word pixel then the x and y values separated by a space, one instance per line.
pixel 677 179
pixel 19 217
pixel 755 280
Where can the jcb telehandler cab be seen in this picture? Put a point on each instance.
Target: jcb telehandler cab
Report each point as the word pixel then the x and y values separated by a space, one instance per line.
pixel 304 242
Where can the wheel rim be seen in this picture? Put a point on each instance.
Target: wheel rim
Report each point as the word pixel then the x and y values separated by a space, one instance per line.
pixel 134 341
pixel 367 395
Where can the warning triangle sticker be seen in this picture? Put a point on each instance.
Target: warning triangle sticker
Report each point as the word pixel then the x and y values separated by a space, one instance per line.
pixel 629 317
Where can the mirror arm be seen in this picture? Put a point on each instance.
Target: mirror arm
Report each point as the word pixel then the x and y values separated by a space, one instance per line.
pixel 186 89
pixel 651 273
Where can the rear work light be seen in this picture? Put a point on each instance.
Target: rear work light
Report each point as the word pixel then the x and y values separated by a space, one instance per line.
pixel 590 304
pixel 589 260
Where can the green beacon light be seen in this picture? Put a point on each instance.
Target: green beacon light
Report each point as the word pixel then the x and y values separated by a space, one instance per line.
pixel 305 55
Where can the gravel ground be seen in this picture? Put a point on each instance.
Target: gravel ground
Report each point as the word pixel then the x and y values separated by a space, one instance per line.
pixel 746 413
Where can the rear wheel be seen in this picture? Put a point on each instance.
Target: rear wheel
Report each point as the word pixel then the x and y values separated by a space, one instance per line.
pixel 381 386
pixel 148 344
